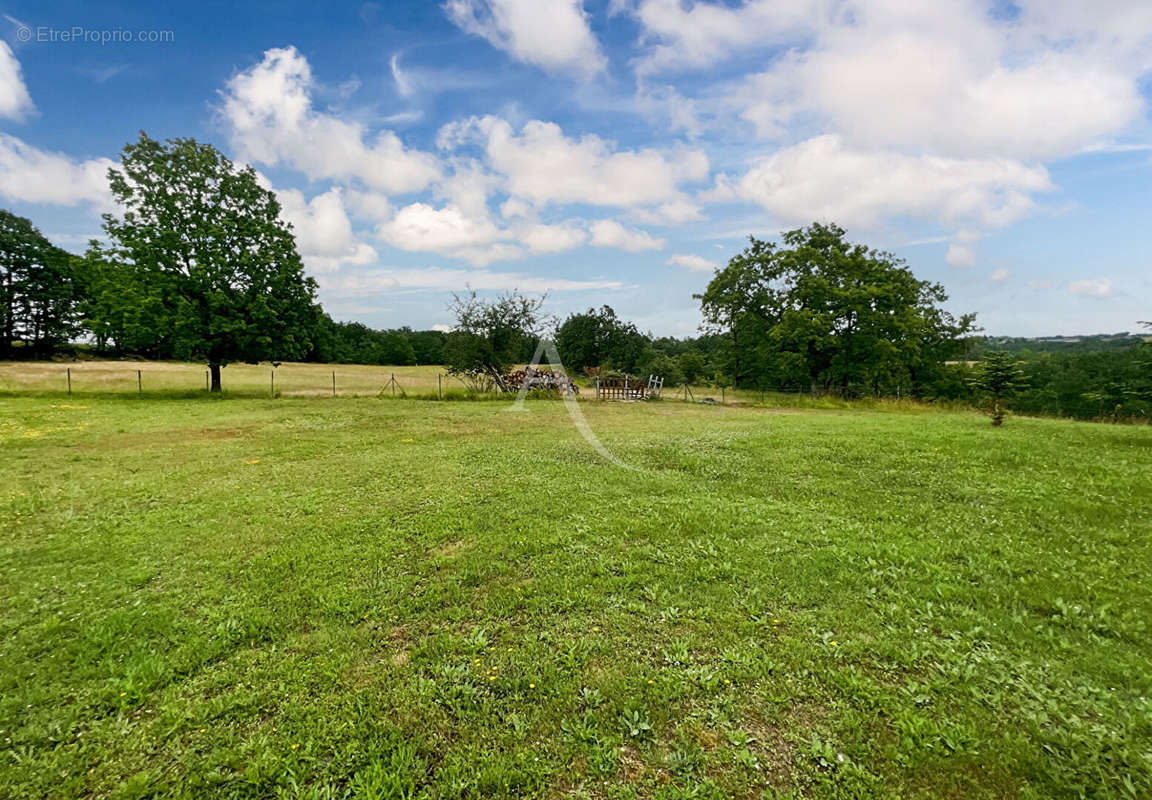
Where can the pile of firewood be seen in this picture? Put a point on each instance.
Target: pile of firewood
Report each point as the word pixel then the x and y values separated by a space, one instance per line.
pixel 534 378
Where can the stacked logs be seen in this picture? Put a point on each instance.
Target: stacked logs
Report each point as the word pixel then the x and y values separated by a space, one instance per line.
pixel 546 379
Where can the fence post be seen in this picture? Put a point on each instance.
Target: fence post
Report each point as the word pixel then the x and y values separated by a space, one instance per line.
pixel 439 386
pixel 333 383
pixel 273 381
pixel 69 380
pixel 139 382
pixel 393 384
pixel 207 388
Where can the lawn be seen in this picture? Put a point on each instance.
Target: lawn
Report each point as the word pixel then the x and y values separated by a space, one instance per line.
pixel 377 598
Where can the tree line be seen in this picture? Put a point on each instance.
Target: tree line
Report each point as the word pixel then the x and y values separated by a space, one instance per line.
pixel 200 266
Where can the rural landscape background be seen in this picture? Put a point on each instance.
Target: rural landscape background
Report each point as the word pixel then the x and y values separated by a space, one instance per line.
pixel 805 453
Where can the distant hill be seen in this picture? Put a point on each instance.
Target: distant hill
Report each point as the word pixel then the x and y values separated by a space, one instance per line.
pixel 1093 343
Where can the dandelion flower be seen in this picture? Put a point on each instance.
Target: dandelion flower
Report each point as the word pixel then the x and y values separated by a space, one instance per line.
pixel 294 746
pixel 253 461
pixel 531 686
pixel 832 644
pixel 595 628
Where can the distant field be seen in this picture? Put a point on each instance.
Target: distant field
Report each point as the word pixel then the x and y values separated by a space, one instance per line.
pixel 264 598
pixel 291 379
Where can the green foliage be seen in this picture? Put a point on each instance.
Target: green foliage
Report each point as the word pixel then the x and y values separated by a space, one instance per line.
pixel 999 376
pixel 202 267
pixel 599 339
pixel 491 336
pixel 824 314
pixel 38 290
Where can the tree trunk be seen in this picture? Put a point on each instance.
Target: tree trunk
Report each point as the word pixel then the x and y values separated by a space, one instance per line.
pixel 215 370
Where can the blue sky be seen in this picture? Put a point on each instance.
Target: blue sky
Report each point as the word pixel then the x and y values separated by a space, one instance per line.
pixel 616 152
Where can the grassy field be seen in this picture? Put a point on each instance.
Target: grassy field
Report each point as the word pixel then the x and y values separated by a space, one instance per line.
pixel 256 380
pixel 371 598
pixel 168 377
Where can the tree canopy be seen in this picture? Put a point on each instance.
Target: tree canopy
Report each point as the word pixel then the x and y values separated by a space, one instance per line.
pixel 38 291
pixel 201 266
pixel 492 335
pixel 822 313
pixel 598 338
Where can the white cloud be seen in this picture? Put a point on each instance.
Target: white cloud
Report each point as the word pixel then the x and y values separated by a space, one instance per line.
pixel 824 179
pixel 268 112
pixel 32 175
pixel 384 279
pixel 473 236
pixel 949 78
pixel 323 231
pixel 550 34
pixel 541 239
pixel 403 85
pixel 698 34
pixel 692 263
pixel 15 101
pixel 542 165
pixel 961 253
pixel 449 231
pixel 1000 276
pixel 609 233
pixel 960 256
pixel 1092 287
pixel 676 212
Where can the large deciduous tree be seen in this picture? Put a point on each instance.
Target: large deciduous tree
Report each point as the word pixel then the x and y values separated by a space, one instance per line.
pixel 201 263
pixel 38 292
pixel 598 338
pixel 827 314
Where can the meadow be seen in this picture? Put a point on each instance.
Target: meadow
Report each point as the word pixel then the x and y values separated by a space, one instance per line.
pixel 366 597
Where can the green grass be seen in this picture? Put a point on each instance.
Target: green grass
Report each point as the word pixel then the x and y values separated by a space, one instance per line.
pixel 352 597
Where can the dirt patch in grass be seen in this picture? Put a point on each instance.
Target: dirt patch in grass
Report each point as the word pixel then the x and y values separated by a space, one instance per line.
pixel 447 550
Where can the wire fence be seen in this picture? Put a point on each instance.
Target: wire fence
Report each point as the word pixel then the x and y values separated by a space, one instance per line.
pixel 283 380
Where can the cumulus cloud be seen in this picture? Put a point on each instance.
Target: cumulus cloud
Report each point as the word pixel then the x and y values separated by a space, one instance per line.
pixel 550 34
pixel 268 113
pixel 823 178
pixel 609 233
pixel 542 165
pixel 15 101
pixel 32 175
pixel 423 228
pixel 681 36
pixel 1000 276
pixel 1092 287
pixel 950 78
pixel 692 263
pixel 961 253
pixel 323 230
pixel 384 279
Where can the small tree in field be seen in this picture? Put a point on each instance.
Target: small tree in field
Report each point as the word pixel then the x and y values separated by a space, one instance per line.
pixel 203 263
pixel 998 375
pixel 491 336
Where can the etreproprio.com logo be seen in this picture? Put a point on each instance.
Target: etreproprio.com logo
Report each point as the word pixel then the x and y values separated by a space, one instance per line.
pixel 78 34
